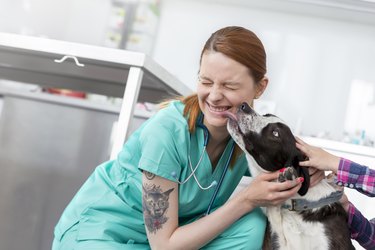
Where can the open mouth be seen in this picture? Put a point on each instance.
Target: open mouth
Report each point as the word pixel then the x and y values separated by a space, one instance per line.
pixel 218 109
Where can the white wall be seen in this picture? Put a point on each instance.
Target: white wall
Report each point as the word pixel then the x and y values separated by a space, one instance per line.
pixel 82 21
pixel 311 61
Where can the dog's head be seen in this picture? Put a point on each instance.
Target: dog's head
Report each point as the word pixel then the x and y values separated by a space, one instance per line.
pixel 268 141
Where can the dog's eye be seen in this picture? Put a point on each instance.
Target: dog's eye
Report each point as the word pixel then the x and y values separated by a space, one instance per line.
pixel 275 133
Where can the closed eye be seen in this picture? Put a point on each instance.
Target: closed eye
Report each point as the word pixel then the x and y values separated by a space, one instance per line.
pixel 231 87
pixel 204 80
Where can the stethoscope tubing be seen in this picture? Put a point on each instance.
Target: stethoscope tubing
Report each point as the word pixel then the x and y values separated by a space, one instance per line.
pixel 193 170
pixel 220 182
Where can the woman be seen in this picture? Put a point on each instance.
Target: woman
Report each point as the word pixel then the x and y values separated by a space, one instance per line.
pixel 348 174
pixel 156 191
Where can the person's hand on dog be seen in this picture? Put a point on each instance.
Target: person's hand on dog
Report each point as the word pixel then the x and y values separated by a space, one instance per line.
pixel 263 191
pixel 345 202
pixel 316 175
pixel 317 157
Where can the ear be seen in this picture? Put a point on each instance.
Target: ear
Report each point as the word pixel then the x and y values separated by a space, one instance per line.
pixel 302 172
pixel 260 87
pixel 166 193
pixel 306 183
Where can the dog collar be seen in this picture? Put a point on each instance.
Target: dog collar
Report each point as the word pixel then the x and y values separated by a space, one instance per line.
pixel 299 205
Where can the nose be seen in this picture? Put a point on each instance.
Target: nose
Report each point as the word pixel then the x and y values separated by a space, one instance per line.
pixel 246 108
pixel 216 94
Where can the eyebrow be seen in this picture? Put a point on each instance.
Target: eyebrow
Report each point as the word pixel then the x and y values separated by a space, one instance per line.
pixel 204 78
pixel 225 82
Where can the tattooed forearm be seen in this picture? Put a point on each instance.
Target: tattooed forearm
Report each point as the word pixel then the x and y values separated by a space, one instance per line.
pixel 149 175
pixel 155 204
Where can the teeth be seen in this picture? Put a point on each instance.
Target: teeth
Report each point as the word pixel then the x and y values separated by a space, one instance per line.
pixel 218 109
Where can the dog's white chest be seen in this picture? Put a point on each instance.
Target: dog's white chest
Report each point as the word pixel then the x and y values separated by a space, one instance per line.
pixel 293 233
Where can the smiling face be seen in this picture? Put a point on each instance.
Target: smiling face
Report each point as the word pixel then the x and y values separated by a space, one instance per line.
pixel 223 85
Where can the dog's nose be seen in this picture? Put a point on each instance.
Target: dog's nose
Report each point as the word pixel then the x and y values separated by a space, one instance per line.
pixel 246 108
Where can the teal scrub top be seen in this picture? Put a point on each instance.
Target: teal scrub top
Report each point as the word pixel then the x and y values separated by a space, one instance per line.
pixel 109 204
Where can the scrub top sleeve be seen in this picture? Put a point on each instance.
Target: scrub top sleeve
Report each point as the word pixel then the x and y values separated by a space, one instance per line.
pixel 159 152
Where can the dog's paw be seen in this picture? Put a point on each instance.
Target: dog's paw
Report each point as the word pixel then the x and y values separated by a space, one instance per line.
pixel 289 173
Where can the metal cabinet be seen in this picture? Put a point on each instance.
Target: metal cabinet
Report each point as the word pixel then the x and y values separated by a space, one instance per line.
pixel 131 75
pixel 50 144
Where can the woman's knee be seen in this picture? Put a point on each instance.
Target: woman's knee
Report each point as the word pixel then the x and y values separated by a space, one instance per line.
pixel 246 233
pixel 252 227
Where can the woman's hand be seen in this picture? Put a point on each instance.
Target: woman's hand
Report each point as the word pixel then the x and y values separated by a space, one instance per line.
pixel 263 191
pixel 316 176
pixel 345 202
pixel 317 157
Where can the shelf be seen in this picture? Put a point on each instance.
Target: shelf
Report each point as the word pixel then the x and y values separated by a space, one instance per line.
pixel 130 75
pixel 31 60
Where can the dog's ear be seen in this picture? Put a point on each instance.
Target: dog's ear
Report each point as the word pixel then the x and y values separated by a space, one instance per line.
pixel 306 183
pixel 302 172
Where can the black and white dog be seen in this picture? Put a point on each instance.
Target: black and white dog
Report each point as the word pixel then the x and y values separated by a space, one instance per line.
pixel 313 219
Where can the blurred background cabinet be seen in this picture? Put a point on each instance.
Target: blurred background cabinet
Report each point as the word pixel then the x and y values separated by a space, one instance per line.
pixel 49 144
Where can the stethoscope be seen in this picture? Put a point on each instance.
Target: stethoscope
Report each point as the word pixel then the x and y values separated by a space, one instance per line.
pixel 193 170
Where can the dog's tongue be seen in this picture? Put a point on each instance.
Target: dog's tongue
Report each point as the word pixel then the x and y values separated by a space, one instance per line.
pixel 229 115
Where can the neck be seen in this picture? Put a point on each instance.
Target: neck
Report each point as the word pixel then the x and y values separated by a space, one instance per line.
pixel 218 136
pixel 216 145
pixel 219 140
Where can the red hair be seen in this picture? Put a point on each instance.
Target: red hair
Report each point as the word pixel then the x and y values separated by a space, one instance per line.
pixel 242 45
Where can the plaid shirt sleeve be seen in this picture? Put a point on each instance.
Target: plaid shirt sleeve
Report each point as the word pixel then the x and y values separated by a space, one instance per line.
pixel 361 230
pixel 359 177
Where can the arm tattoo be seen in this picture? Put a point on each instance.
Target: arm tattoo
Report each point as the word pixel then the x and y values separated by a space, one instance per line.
pixel 149 175
pixel 155 203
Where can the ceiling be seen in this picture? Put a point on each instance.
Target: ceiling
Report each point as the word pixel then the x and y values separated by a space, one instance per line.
pixel 361 11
